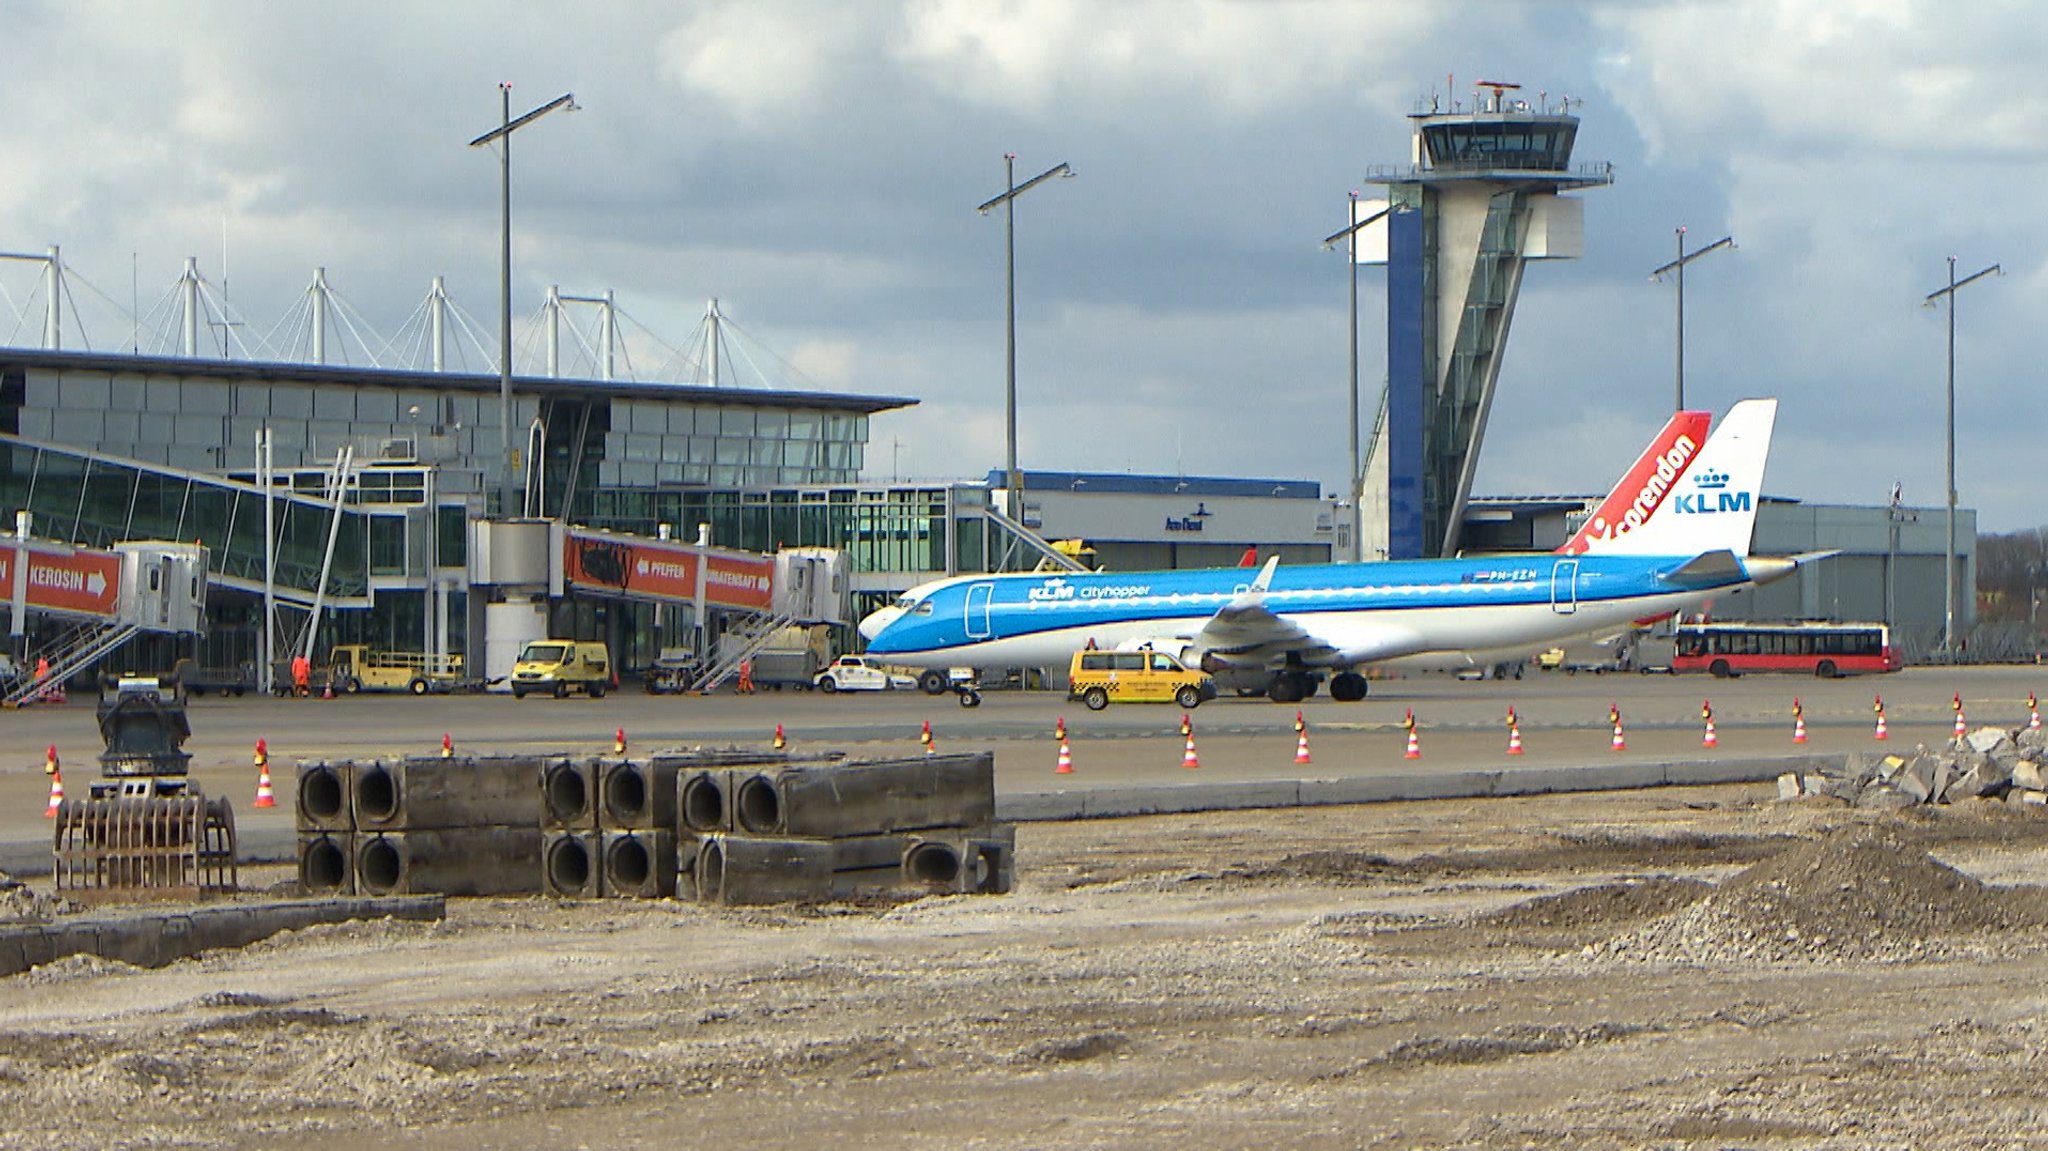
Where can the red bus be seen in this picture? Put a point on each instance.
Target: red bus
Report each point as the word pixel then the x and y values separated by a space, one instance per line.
pixel 1822 649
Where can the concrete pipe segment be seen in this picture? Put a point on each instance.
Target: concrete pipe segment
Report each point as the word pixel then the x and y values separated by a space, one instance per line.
pixel 327 863
pixel 571 865
pixel 638 864
pixel 822 801
pixel 569 794
pixel 734 871
pixel 450 861
pixel 704 799
pixel 637 796
pixel 323 791
pixel 424 792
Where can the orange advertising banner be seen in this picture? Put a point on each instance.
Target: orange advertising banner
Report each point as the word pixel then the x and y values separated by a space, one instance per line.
pixel 655 569
pixel 82 581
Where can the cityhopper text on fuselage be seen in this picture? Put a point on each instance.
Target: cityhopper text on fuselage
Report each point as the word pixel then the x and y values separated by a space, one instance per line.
pixel 1674 535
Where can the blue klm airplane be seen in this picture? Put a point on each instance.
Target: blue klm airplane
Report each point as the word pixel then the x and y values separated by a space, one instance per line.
pixel 1687 544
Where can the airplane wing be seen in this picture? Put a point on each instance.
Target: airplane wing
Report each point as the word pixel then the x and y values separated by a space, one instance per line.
pixel 1247 633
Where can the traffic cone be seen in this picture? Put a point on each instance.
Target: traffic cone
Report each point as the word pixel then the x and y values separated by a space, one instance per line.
pixel 1066 763
pixel 2033 713
pixel 1798 721
pixel 1614 717
pixel 1059 730
pixel 1514 734
pixel 619 742
pixel 1707 717
pixel 1187 730
pixel 1301 740
pixel 925 738
pixel 780 742
pixel 56 782
pixel 264 796
pixel 1879 708
pixel 1414 739
pixel 1957 704
pixel 447 747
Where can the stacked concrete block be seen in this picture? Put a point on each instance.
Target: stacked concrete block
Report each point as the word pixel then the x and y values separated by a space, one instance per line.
pixel 326 828
pixel 423 825
pixel 810 831
pixel 637 828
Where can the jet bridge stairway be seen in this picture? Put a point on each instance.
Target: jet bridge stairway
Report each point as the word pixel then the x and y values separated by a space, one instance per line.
pixel 753 635
pixel 78 648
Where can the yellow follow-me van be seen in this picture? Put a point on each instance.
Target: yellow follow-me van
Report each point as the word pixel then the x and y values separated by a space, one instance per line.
pixel 1099 678
pixel 561 666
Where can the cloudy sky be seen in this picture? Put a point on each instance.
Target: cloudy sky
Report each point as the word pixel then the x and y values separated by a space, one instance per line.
pixel 815 166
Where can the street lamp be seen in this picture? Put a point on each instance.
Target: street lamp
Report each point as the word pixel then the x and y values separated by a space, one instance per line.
pixel 503 135
pixel 1948 570
pixel 1013 481
pixel 1678 266
pixel 1357 482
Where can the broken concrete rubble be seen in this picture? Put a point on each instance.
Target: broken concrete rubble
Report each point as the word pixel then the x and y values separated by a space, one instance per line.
pixel 1989 763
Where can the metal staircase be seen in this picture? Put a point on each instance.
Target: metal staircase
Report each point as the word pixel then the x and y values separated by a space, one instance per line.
pixel 74 651
pixel 752 634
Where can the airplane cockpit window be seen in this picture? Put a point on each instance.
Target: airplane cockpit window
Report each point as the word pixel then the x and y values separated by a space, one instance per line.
pixel 923 608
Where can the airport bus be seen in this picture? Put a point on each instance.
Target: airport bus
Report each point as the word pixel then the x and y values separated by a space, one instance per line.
pixel 1822 649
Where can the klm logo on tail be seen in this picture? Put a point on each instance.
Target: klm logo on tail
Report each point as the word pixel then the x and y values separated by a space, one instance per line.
pixel 1713 498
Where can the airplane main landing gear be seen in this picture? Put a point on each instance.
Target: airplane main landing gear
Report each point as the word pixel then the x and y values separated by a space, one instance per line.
pixel 1348 687
pixel 1291 686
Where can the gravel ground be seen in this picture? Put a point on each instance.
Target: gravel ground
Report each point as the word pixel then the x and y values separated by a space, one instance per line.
pixel 1673 968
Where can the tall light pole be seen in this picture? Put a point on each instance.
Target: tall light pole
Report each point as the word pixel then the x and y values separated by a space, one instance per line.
pixel 1013 480
pixel 503 136
pixel 1678 266
pixel 1357 481
pixel 1948 567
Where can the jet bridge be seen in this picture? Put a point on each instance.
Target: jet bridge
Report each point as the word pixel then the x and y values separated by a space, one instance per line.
pixel 104 596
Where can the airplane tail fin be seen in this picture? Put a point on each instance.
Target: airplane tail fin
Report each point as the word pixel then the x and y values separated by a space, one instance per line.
pixel 1702 504
pixel 1646 483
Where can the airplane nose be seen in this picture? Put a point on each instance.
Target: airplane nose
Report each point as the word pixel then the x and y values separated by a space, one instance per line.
pixel 878 619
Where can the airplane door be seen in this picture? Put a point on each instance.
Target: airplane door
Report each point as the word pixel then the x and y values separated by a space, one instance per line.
pixel 978 598
pixel 1564 587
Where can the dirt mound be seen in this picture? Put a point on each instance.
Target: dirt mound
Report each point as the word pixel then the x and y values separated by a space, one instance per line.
pixel 1859 893
pixel 1607 904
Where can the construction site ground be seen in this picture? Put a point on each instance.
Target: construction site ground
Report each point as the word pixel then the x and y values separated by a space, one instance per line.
pixel 1703 967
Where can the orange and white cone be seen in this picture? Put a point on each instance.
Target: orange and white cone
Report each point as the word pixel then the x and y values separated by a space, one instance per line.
pixel 1066 763
pixel 1798 721
pixel 619 742
pixel 1514 733
pixel 1414 738
pixel 447 746
pixel 2033 713
pixel 780 742
pixel 1301 739
pixel 265 797
pixel 56 775
pixel 1708 739
pixel 925 737
pixel 1188 757
pixel 1879 708
pixel 1957 704
pixel 1614 716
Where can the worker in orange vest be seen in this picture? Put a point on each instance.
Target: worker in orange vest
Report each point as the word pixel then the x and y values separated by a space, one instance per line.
pixel 746 681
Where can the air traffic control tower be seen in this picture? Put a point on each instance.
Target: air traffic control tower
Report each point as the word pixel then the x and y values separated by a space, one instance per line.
pixel 1480 198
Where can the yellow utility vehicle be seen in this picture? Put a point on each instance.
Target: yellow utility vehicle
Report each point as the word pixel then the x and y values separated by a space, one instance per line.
pixel 354 667
pixel 1099 678
pixel 562 666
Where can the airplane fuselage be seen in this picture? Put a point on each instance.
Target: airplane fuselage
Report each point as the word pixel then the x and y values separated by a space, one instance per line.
pixel 1357 613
